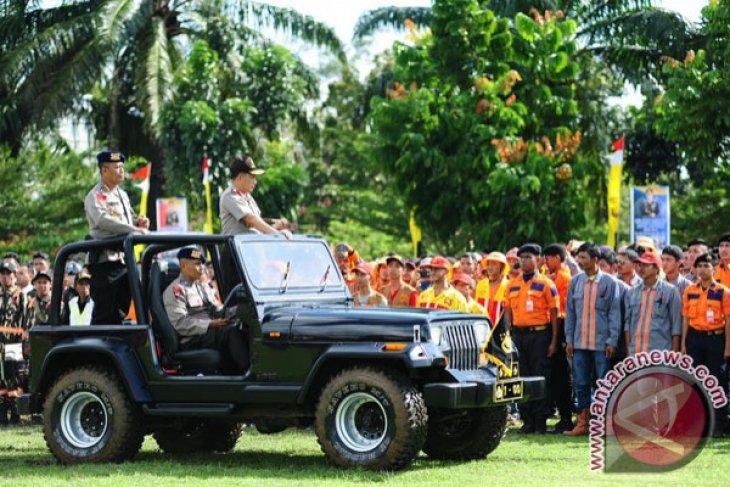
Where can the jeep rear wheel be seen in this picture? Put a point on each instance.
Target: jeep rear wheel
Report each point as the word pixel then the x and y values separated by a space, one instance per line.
pixel 465 434
pixel 368 418
pixel 88 418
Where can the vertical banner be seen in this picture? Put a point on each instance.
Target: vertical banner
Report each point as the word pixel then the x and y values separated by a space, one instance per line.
pixel 614 191
pixel 172 215
pixel 415 233
pixel 650 214
pixel 208 197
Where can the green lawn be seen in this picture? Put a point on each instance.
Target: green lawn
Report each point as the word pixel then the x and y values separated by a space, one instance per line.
pixel 294 458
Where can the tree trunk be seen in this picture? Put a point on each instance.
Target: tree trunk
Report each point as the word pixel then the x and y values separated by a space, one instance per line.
pixel 114 129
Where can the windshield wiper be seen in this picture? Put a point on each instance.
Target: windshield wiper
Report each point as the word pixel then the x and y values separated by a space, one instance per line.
pixel 323 282
pixel 285 281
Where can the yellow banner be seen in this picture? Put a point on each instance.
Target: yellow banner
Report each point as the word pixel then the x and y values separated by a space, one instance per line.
pixel 415 232
pixel 614 203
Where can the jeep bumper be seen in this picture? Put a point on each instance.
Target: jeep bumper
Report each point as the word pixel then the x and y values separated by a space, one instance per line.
pixel 480 388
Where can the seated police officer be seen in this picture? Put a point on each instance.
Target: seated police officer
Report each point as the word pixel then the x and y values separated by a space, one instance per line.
pixel 192 309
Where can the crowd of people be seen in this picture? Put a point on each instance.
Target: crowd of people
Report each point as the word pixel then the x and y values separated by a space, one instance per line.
pixel 573 310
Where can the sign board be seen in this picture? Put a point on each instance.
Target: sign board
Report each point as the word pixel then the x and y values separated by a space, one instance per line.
pixel 650 214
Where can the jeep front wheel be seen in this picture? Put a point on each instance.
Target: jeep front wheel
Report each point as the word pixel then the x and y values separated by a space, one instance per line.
pixel 88 418
pixel 465 434
pixel 371 419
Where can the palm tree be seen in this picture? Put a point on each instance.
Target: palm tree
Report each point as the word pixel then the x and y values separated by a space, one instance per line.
pixel 51 57
pixel 629 35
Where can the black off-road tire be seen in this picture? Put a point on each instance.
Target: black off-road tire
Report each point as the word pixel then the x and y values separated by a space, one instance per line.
pixel 89 418
pixel 467 434
pixel 222 437
pixel 389 406
pixel 198 436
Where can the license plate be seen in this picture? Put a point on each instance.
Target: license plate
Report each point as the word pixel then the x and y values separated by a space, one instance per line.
pixel 508 391
pixel 502 374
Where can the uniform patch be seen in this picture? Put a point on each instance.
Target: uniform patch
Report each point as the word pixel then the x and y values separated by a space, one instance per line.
pixel 514 288
pixel 178 290
pixel 714 295
pixel 693 296
pixel 537 286
pixel 101 198
pixel 553 291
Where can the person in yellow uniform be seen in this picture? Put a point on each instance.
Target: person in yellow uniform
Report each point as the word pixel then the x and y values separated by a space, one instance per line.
pixel 490 292
pixel 706 327
pixel 531 313
pixel 722 270
pixel 465 285
pixel 397 292
pixel 441 295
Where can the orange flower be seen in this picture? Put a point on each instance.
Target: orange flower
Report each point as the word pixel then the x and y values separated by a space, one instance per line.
pixel 511 100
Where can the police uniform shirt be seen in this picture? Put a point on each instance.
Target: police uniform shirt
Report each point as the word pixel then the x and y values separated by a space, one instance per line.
pixel 109 214
pixel 449 298
pixel 190 307
pixel 12 313
pixel 706 309
pixel 593 312
pixel 653 317
pixel 234 206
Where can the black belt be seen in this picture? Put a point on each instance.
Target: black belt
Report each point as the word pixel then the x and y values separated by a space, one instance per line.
pixel 531 328
pixel 719 331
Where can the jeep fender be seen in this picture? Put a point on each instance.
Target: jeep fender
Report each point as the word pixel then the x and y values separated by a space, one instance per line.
pixel 413 356
pixel 77 351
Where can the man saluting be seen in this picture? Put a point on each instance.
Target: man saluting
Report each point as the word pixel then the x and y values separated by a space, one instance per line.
pixel 110 214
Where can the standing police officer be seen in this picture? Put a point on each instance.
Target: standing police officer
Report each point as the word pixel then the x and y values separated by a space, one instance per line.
pixel 531 312
pixel 110 214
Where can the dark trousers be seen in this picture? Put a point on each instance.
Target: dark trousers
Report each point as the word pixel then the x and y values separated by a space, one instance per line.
pixel 533 347
pixel 708 350
pixel 562 396
pixel 110 292
pixel 229 341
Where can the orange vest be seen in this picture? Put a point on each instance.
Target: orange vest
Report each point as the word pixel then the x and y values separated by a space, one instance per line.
pixel 531 301
pixel 706 310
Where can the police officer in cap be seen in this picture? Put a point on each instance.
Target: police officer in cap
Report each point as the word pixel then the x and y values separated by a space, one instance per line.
pixel 110 214
pixel 193 308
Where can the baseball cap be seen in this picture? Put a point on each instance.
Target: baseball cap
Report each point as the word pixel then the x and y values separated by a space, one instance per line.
pixel 439 262
pixel 463 278
pixel 40 275
pixel 83 276
pixel 396 258
pixel 8 266
pixel 246 165
pixel 651 258
pixel 364 268
pixel 190 253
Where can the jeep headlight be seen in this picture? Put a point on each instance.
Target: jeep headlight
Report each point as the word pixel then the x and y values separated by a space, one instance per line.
pixel 437 334
pixel 481 330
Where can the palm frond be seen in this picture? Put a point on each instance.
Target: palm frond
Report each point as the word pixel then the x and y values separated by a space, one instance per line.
pixel 290 22
pixel 156 73
pixel 391 17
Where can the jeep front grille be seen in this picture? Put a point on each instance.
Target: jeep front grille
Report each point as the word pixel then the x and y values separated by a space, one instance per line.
pixel 462 341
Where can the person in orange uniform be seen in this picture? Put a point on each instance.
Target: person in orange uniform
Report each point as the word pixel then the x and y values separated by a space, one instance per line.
pixel 490 292
pixel 465 285
pixel 365 294
pixel 706 327
pixel 441 295
pixel 347 258
pixel 397 292
pixel 531 313
pixel 722 271
pixel 559 273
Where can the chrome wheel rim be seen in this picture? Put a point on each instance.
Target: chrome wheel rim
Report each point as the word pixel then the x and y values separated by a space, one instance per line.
pixel 361 422
pixel 83 419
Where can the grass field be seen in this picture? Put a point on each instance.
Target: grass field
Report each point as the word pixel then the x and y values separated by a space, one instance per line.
pixel 294 458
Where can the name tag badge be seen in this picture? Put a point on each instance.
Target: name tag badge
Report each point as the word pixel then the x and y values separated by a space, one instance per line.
pixel 710 316
pixel 529 306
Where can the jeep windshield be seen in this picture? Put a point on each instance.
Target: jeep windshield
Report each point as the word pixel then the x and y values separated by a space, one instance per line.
pixel 285 265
